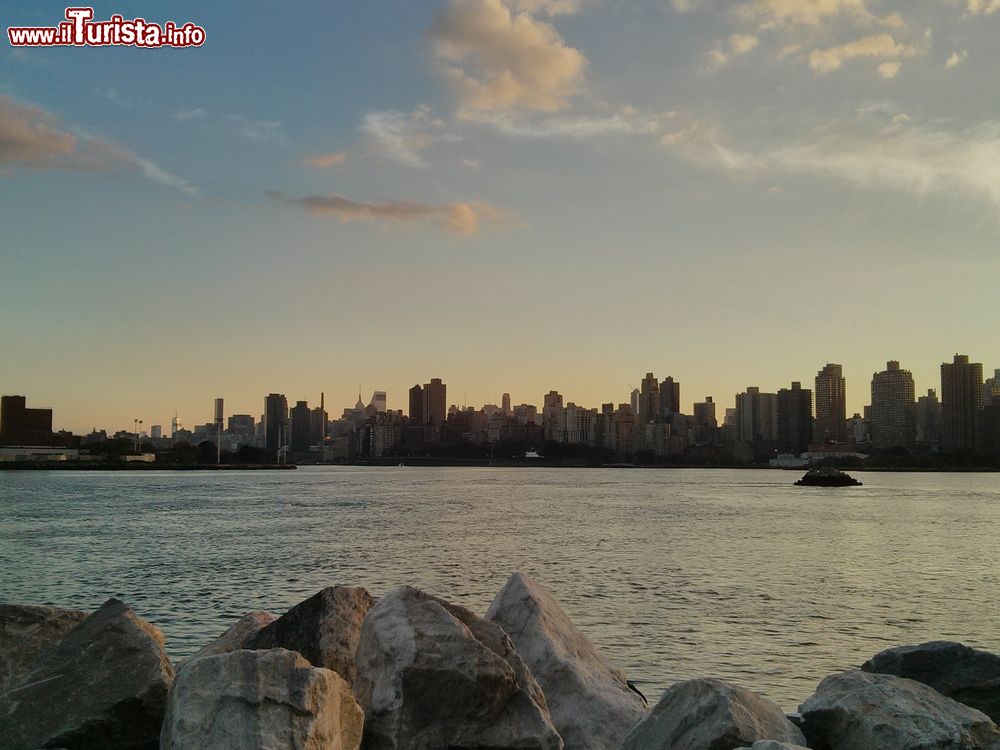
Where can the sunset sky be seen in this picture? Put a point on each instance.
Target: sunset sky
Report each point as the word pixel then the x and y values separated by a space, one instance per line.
pixel 512 195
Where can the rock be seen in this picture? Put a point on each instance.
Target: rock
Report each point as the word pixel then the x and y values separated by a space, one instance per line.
pixel 236 637
pixel 710 715
pixel 26 633
pixel 105 685
pixel 324 628
pixel 588 697
pixel 773 745
pixel 861 711
pixel 434 675
pixel 964 674
pixel 258 700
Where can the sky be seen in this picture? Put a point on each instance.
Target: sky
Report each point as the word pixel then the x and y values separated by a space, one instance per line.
pixel 512 195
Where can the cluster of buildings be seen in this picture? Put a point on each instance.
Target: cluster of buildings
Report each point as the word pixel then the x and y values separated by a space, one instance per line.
pixel 794 421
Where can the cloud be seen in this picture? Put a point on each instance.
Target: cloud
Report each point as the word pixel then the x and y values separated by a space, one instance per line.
pixel 183 115
pixel 626 121
pixel 325 161
pixel 736 45
pixel 547 7
pixel 889 70
pixel 772 13
pixel 897 155
pixel 258 131
pixel 957 58
pixel 31 138
pixel 984 7
pixel 496 60
pixel 402 136
pixel 878 46
pixel 463 218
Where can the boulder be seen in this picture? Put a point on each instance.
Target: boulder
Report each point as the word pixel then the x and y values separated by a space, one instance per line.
pixel 588 697
pixel 236 636
pixel 964 674
pixel 773 745
pixel 711 715
pixel 259 700
pixel 860 711
pixel 324 628
pixel 434 675
pixel 26 633
pixel 104 685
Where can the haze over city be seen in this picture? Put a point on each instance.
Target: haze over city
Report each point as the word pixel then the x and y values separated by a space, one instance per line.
pixel 731 193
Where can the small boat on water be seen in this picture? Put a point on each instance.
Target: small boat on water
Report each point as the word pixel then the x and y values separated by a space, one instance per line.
pixel 827 477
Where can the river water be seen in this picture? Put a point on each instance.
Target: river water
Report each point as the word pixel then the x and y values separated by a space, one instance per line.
pixel 674 573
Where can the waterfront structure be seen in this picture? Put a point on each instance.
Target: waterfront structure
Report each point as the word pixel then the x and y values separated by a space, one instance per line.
pixel 20 425
pixel 831 405
pixel 435 402
pixel 670 397
pixel 649 399
pixel 927 420
pixel 275 421
pixel 890 418
pixel 961 402
pixel 756 416
pixel 795 422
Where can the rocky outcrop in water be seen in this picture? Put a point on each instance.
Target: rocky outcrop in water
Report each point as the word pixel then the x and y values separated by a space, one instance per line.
pixel 28 633
pixel 236 636
pixel 325 629
pixel 434 675
pixel 103 686
pixel 260 700
pixel 710 715
pixel 862 711
pixel 964 674
pixel 588 697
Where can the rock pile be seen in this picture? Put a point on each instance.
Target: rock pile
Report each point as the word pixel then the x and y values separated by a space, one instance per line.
pixel 342 671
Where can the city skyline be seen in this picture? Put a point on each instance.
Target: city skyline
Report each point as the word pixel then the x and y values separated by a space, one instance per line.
pixel 731 193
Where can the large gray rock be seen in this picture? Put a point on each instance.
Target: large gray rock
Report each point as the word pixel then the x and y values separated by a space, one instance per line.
pixel 104 686
pixel 711 715
pixel 260 700
pixel 860 711
pixel 27 633
pixel 324 628
pixel 773 745
pixel 964 674
pixel 236 636
pixel 589 699
pixel 434 675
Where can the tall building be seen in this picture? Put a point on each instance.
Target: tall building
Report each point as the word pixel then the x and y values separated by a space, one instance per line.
pixel 890 419
pixel 704 413
pixel 378 404
pixel 416 410
pixel 552 404
pixel 649 399
pixel 670 397
pixel 831 405
pixel 795 422
pixel 20 425
pixel 275 421
pixel 301 418
pixel 991 390
pixel 927 420
pixel 756 416
pixel 435 402
pixel 961 402
pixel 156 432
pixel 242 425
pixel 505 404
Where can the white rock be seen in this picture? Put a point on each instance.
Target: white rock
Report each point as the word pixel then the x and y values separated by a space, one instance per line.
pixel 236 636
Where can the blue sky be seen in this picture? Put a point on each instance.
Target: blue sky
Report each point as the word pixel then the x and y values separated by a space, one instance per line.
pixel 513 195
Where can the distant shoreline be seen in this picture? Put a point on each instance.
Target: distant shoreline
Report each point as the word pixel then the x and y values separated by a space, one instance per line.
pixel 136 466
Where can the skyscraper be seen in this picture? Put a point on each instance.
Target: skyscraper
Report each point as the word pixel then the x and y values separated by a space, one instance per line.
pixel 416 410
pixel 991 390
pixel 961 402
pixel 505 404
pixel 927 420
pixel 756 416
pixel 795 423
pixel 649 399
pixel 20 425
pixel 670 397
pixel 301 419
pixel 890 420
pixel 831 405
pixel 435 402
pixel 704 412
pixel 275 421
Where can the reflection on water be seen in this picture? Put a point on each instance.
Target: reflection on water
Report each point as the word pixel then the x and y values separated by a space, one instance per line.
pixel 675 574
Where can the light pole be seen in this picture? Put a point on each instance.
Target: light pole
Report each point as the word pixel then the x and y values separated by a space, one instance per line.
pixel 137 423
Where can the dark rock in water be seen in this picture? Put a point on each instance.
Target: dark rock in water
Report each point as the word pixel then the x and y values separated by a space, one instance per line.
pixel 863 711
pixel 432 675
pixel 28 633
pixel 591 702
pixel 260 700
pixel 827 477
pixel 711 715
pixel 773 745
pixel 325 628
pixel 964 674
pixel 104 686
pixel 236 636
